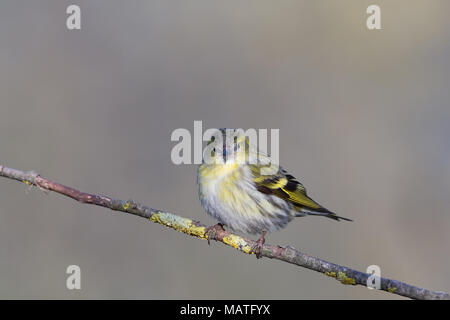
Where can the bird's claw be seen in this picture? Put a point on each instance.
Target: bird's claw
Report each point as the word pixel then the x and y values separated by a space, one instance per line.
pixel 211 231
pixel 257 248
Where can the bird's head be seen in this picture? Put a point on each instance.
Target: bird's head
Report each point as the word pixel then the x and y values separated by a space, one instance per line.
pixel 227 146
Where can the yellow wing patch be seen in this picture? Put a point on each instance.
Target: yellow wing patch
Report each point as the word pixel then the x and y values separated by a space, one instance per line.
pixel 284 186
pixel 300 198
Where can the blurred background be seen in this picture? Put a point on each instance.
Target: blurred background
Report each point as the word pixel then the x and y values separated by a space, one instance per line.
pixel 364 121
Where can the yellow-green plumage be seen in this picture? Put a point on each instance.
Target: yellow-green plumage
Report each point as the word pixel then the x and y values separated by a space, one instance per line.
pixel 233 190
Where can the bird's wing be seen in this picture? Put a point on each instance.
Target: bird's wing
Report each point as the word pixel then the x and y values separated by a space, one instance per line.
pixel 284 186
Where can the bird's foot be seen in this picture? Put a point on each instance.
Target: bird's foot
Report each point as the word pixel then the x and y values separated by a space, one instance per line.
pixel 257 248
pixel 211 231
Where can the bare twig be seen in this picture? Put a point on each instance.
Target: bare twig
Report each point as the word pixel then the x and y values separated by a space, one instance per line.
pixel 193 228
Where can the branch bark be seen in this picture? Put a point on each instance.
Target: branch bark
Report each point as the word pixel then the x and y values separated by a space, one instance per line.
pixel 346 276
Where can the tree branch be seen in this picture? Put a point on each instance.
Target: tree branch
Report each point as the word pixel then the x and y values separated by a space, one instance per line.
pixel 190 227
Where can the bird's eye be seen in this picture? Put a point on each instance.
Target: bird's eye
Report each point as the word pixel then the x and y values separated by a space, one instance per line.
pixel 213 138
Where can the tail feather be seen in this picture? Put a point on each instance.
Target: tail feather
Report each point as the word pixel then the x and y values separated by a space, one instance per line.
pixel 321 212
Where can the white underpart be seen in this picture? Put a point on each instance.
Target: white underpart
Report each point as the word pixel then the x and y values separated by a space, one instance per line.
pixel 248 210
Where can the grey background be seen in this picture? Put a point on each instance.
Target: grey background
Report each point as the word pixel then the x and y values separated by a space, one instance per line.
pixel 363 118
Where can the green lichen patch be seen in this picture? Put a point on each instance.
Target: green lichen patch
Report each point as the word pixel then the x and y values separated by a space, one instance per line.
pixel 237 243
pixel 392 289
pixel 342 277
pixel 180 224
pixel 126 206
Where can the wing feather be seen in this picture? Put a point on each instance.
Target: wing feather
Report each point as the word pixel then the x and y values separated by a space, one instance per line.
pixel 284 186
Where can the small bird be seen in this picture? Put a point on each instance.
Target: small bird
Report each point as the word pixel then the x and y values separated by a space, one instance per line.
pixel 244 191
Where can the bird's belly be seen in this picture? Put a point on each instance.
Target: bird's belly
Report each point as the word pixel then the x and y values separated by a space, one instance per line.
pixel 239 206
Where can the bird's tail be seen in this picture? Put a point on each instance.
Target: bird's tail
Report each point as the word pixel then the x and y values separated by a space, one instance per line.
pixel 320 212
